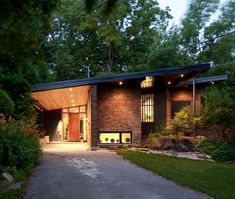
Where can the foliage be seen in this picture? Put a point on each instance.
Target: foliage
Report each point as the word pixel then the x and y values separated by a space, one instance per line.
pixel 19 145
pixel 203 176
pixel 19 90
pixel 159 131
pixel 218 150
pixel 183 122
pixel 100 43
pixel 6 103
pixel 11 193
pixel 219 111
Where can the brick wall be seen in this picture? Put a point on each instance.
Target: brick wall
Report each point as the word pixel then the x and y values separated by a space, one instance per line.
pixel 182 94
pixel 119 108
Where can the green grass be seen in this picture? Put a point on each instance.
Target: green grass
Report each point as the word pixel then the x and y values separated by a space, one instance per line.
pixel 212 178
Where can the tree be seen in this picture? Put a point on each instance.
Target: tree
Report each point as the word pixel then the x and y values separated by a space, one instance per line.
pixel 194 22
pixel 118 42
pixel 219 112
pixel 6 103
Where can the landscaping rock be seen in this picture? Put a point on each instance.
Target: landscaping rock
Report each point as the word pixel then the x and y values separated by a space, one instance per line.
pixel 8 177
pixel 16 185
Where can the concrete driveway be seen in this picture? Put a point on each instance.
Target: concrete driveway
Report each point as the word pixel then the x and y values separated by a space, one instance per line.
pixel 69 171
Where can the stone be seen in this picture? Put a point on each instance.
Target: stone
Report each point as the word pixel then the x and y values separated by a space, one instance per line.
pixel 16 185
pixel 8 177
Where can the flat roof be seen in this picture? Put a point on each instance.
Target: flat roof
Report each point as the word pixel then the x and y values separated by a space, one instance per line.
pixel 196 68
pixel 203 80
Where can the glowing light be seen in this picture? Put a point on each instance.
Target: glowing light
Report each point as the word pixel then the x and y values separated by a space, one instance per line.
pixel 73 104
pixel 120 83
pixel 72 100
pixel 70 89
pixel 182 75
pixel 71 95
pixel 212 82
pixel 169 83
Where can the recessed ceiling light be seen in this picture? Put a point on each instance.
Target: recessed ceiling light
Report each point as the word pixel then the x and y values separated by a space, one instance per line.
pixel 73 104
pixel 70 89
pixel 120 83
pixel 169 83
pixel 71 95
pixel 182 75
pixel 72 100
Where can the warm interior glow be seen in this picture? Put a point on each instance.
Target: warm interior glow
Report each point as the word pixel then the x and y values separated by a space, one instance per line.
pixel 182 75
pixel 120 83
pixel 114 138
pixel 147 83
pixel 72 100
pixel 169 83
pixel 61 98
pixel 70 89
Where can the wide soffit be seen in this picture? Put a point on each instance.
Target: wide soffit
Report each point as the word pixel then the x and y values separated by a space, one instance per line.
pixel 61 98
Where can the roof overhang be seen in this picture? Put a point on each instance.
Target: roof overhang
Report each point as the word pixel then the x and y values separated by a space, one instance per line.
pixel 189 70
pixel 70 93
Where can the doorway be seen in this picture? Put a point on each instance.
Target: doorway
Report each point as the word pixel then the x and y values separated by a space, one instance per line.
pixel 74 127
pixel 74 124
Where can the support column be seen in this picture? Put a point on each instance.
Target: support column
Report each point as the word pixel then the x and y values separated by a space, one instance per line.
pixel 168 108
pixel 194 104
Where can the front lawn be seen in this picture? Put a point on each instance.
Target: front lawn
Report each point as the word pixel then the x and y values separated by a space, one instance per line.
pixel 212 178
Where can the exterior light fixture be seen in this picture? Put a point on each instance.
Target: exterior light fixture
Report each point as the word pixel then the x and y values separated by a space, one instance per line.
pixel 212 82
pixel 70 89
pixel 182 75
pixel 120 83
pixel 169 83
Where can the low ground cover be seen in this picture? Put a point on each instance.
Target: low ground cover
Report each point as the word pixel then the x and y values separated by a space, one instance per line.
pixel 212 178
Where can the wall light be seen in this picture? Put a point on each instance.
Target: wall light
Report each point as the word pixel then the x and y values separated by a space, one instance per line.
pixel 212 82
pixel 120 83
pixel 169 83
pixel 182 75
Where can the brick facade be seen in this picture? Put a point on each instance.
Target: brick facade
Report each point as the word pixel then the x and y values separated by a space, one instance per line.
pixel 181 94
pixel 119 109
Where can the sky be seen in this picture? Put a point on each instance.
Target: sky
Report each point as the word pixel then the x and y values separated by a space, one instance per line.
pixel 179 8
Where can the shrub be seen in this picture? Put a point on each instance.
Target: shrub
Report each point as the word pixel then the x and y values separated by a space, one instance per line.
pixel 219 151
pixel 19 145
pixel 219 112
pixel 183 122
pixel 6 103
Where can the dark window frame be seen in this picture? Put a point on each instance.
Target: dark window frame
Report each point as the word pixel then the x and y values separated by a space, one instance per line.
pixel 150 107
pixel 120 136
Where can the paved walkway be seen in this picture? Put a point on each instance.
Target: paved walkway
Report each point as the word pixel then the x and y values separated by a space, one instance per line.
pixel 69 171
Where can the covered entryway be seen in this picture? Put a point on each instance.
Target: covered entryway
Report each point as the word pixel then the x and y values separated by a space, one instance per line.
pixel 64 113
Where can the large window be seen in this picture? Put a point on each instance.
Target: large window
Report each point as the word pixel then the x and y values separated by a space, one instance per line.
pixel 115 138
pixel 147 108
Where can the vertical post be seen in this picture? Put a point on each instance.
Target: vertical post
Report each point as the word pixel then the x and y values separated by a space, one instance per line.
pixel 194 104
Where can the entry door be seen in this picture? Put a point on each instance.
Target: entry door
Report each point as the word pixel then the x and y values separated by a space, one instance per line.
pixel 74 127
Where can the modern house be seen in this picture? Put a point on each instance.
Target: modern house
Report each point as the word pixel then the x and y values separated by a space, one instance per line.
pixel 118 109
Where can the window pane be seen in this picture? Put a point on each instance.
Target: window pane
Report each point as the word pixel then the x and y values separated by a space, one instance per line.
pixel 147 108
pixel 82 109
pixel 109 138
pixel 74 110
pixel 126 138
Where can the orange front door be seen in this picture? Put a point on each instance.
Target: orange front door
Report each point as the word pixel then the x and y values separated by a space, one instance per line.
pixel 74 127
